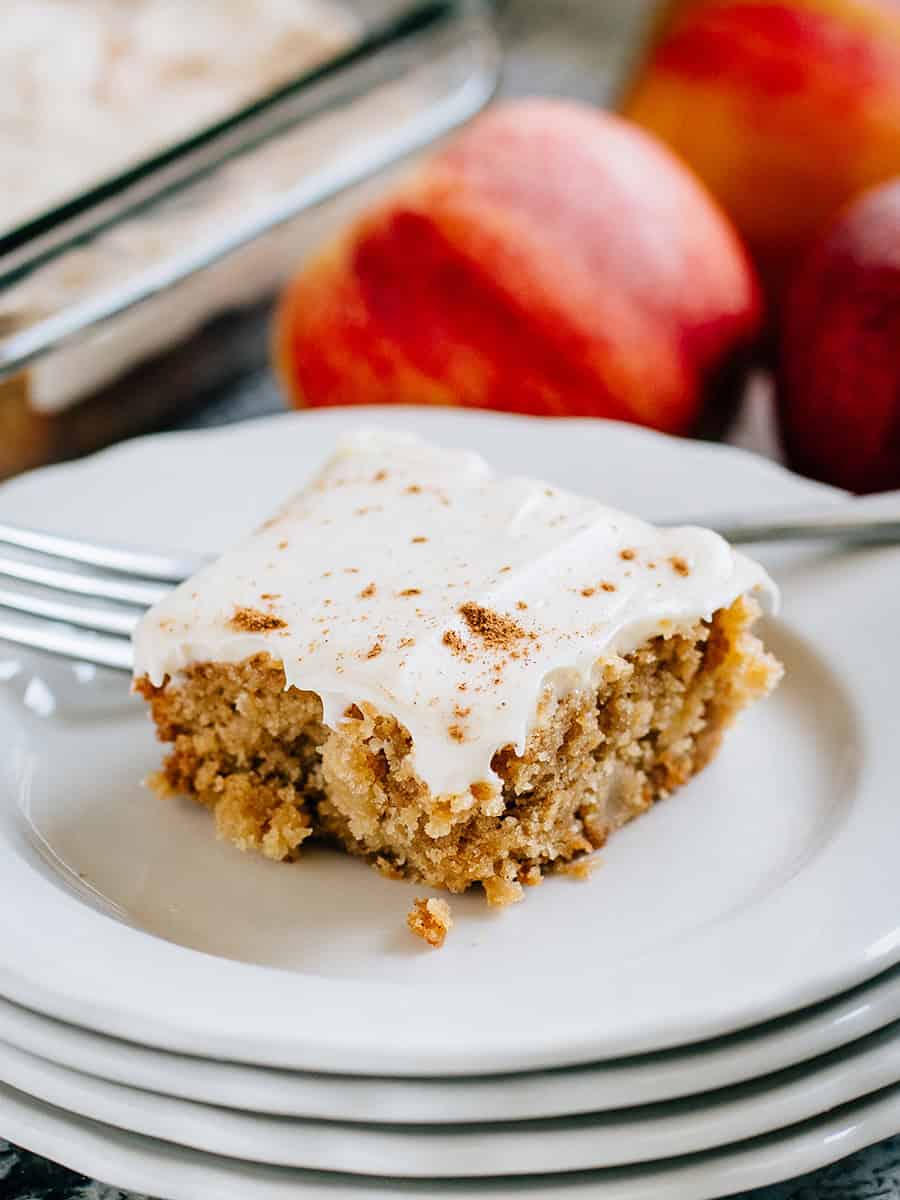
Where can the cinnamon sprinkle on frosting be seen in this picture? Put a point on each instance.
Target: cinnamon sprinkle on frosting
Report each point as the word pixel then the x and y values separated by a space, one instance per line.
pixel 493 628
pixel 679 565
pixel 252 620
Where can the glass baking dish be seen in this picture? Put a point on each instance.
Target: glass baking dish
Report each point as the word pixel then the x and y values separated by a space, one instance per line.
pixel 150 288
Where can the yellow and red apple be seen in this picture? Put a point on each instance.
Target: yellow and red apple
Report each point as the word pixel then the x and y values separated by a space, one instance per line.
pixel 551 259
pixel 786 109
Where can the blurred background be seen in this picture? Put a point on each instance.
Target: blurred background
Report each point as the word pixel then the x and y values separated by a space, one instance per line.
pixel 166 175
pixel 197 351
pixel 97 339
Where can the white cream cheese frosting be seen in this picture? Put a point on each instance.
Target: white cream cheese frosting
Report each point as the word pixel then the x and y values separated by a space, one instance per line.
pixel 415 579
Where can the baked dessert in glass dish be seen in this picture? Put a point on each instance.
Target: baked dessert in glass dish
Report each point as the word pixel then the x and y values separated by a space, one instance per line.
pixel 89 88
pixel 465 678
pixel 93 88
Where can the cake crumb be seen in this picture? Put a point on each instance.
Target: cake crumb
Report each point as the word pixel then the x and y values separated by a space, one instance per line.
pixel 607 586
pixel 414 489
pixel 283 545
pixel 501 892
pixel 627 554
pixel 493 628
pixel 405 642
pixel 270 595
pixel 411 592
pixel 368 592
pixel 679 565
pixel 251 620
pixel 379 476
pixel 385 867
pixel 430 920
pixel 521 605
pixel 457 733
pixel 419 539
pixel 579 868
pixel 483 791
pixel 374 650
pixel 588 591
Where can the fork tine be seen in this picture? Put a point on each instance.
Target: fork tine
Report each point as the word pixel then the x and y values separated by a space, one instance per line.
pixel 138 592
pixel 165 568
pixel 96 648
pixel 89 616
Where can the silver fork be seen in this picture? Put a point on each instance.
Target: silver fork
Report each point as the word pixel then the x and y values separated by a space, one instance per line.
pixel 81 599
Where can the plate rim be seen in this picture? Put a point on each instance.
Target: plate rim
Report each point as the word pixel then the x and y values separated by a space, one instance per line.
pixel 145 1165
pixel 700 1123
pixel 393 1100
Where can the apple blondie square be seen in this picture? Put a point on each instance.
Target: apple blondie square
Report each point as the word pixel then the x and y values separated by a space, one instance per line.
pixel 462 677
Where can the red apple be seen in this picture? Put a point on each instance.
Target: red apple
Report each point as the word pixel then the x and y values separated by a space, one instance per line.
pixel 552 259
pixel 839 377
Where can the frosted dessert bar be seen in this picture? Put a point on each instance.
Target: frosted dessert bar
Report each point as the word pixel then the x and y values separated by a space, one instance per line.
pixel 464 678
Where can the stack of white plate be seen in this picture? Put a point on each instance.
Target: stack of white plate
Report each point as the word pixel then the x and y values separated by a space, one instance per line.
pixel 712 1010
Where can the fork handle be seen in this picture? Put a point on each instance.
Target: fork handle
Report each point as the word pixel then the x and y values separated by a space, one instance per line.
pixel 838 524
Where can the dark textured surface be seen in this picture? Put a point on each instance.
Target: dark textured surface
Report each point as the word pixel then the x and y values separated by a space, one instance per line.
pixel 871 1175
pixel 562 47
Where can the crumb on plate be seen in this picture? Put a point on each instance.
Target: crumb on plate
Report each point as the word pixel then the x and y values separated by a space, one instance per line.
pixel 430 919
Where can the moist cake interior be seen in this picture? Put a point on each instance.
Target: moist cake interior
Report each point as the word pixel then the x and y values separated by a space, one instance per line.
pixel 276 777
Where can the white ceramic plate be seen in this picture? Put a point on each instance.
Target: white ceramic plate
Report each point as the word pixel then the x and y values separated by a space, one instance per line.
pixel 768 884
pixel 468 1151
pixel 616 1084
pixel 145 1165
